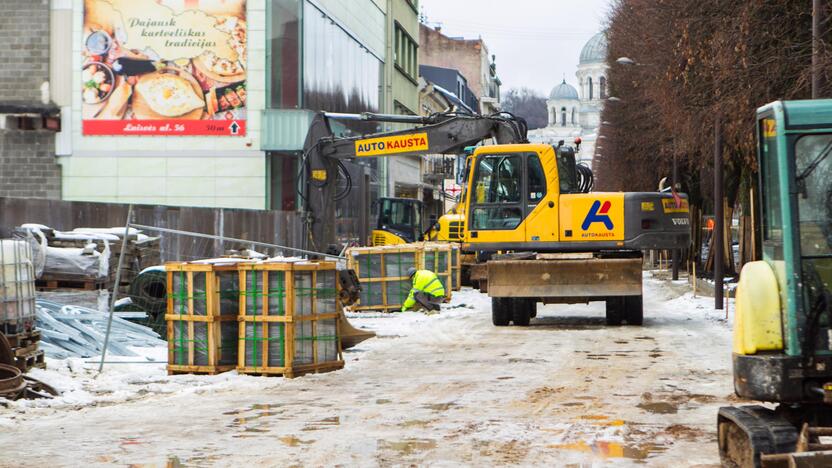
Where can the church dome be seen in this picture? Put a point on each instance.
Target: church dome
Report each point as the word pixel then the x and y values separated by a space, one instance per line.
pixel 564 91
pixel 595 51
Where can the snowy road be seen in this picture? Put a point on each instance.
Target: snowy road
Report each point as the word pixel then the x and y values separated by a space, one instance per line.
pixel 441 390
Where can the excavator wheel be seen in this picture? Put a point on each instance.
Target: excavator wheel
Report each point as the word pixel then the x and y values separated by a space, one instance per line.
pixel 745 433
pixel 615 310
pixel 634 310
pixel 521 311
pixel 501 311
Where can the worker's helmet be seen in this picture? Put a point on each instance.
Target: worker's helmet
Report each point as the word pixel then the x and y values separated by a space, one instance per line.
pixel 410 272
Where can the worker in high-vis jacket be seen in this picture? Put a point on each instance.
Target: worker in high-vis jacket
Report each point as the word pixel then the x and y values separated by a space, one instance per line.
pixel 427 290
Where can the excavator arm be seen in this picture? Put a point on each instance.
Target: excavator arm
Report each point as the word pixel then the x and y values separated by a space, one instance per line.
pixel 446 133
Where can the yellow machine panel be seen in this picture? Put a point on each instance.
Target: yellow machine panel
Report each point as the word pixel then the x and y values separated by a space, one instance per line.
pixel 541 225
pixel 758 324
pixel 451 229
pixel 391 145
pixel 592 217
pixel 381 238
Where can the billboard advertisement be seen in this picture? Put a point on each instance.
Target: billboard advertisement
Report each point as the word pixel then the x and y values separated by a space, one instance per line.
pixel 164 68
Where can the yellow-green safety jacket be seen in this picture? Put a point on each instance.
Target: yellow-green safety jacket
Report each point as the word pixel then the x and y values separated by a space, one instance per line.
pixel 427 282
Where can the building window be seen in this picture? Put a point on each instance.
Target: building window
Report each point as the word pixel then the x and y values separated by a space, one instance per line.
pixel 573 116
pixel 589 84
pixel 406 51
pixel 339 73
pixel 603 83
pixel 283 54
pixel 562 116
pixel 401 109
pixel 284 171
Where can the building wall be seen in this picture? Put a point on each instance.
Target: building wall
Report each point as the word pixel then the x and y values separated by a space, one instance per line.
pixel 466 56
pixel 224 172
pixel 401 96
pixel 405 90
pixel 363 18
pixel 27 158
pixel 24 32
pixel 27 165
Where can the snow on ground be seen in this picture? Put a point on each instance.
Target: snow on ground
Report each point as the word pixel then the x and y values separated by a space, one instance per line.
pixel 441 390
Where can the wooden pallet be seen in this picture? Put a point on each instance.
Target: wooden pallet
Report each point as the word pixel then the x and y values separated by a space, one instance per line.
pixel 297 371
pixel 194 304
pixel 371 280
pixel 437 257
pixel 30 360
pixel 456 267
pixel 199 370
pixel 286 298
pixel 48 283
pixel 21 340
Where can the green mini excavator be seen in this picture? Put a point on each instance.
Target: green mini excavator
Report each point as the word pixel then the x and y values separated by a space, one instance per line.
pixel 783 327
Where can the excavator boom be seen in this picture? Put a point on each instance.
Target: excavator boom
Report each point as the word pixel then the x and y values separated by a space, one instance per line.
pixel 446 133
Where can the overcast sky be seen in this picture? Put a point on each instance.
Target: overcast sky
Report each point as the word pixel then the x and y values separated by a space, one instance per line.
pixel 537 42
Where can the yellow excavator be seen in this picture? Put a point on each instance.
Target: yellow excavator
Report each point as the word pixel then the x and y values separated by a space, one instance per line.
pixel 540 236
pixel 400 221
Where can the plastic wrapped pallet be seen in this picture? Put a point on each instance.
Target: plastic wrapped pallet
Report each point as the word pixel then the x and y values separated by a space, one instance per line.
pixel 17 287
pixel 203 305
pixel 436 257
pixel 382 272
pixel 290 318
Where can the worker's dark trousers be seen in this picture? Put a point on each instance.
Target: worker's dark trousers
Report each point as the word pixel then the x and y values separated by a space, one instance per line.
pixel 427 301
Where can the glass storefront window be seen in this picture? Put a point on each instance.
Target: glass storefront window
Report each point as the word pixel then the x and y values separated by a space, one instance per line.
pixel 339 75
pixel 283 54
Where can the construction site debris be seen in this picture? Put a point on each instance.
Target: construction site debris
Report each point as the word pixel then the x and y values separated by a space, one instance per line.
pixel 73 331
pixel 149 291
pixel 86 258
pixel 382 271
pixel 17 287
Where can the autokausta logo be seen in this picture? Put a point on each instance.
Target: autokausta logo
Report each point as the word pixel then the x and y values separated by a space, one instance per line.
pixel 599 214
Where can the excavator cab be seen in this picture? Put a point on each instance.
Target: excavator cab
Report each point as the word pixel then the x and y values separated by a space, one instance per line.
pixel 399 222
pixel 451 226
pixel 783 327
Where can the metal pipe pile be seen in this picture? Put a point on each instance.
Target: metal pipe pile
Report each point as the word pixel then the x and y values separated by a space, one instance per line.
pixel 72 331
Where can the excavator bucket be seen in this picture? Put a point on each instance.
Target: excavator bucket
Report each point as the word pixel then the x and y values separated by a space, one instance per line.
pixel 351 336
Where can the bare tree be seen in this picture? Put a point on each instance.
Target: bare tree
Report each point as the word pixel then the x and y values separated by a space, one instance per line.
pixel 696 61
pixel 528 104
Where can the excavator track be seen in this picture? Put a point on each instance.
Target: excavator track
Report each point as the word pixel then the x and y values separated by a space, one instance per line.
pixel 746 433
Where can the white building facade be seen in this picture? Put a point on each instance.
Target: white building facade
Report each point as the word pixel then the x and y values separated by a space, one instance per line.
pixel 576 112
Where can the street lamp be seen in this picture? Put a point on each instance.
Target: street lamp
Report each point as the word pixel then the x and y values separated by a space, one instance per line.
pixel 613 99
pixel 628 62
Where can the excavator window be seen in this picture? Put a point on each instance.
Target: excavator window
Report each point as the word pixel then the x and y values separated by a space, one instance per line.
pixel 537 180
pixel 814 186
pixel 497 192
pixel 813 183
pixel 770 180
